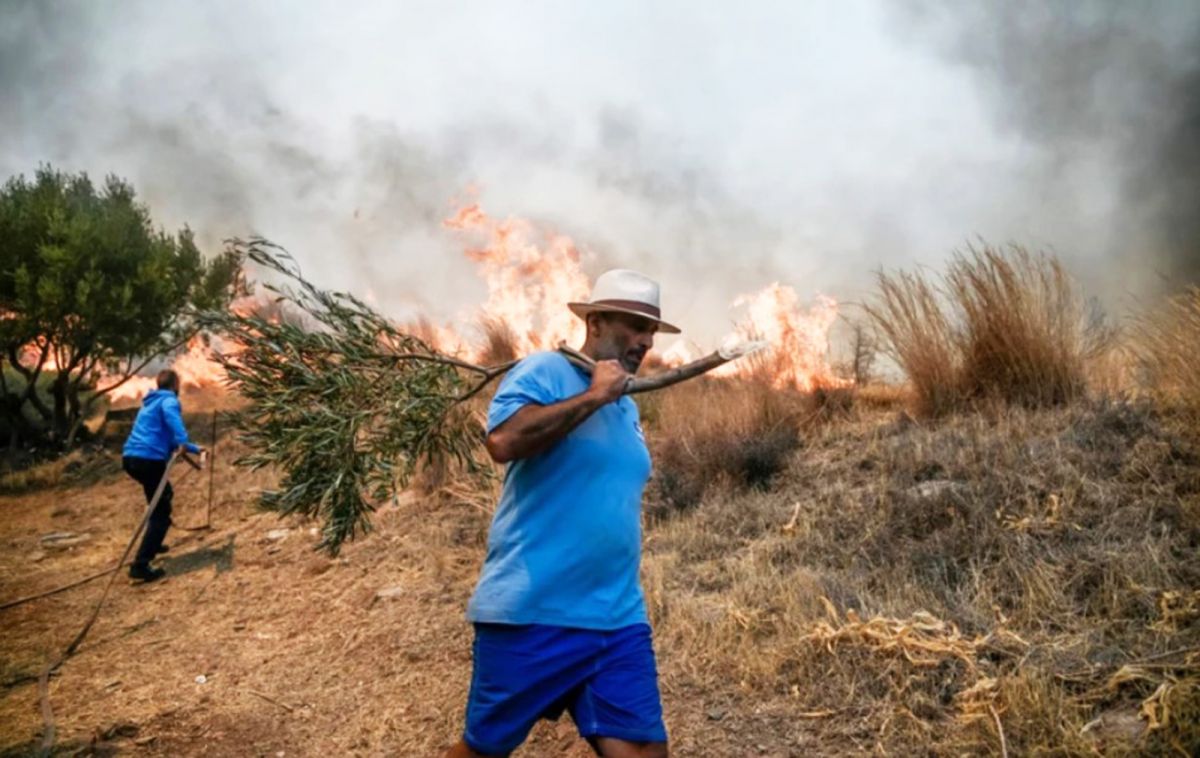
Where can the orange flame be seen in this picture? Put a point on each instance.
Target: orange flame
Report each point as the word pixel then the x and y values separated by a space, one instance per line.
pixel 531 275
pixel 195 367
pixel 799 339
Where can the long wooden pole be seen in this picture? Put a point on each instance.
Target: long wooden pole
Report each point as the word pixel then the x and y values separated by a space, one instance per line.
pixel 212 464
pixel 48 731
pixel 671 376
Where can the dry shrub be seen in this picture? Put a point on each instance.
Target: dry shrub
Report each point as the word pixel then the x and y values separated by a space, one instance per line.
pixel 713 431
pixel 1166 345
pixel 1002 325
pixel 79 468
pixel 917 332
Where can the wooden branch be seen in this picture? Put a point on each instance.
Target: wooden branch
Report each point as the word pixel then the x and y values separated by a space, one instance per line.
pixel 271 700
pixel 492 373
pixel 130 374
pixel 671 376
pixel 636 386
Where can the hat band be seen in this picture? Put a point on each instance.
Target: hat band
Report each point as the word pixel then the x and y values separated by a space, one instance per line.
pixel 631 305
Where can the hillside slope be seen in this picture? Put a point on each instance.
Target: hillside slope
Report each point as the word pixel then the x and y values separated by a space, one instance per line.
pixel 896 588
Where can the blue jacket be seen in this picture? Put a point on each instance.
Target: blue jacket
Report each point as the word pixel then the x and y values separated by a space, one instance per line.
pixel 158 428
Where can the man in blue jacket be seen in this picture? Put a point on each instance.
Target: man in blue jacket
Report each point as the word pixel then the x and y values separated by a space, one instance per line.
pixel 157 432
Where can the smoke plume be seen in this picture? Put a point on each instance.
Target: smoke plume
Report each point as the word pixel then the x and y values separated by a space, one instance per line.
pixel 719 150
pixel 1107 88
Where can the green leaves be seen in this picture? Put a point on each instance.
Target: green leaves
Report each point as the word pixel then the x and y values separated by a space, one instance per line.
pixel 342 401
pixel 86 269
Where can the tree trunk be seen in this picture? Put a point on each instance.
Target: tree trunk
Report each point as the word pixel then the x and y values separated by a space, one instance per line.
pixel 76 425
pixel 30 394
pixel 61 423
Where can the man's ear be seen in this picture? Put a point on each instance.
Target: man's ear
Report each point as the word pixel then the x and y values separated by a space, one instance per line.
pixel 593 322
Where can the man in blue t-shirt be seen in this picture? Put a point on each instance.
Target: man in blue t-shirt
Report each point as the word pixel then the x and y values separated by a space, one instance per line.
pixel 560 623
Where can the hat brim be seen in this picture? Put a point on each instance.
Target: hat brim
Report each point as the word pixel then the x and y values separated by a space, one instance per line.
pixel 583 309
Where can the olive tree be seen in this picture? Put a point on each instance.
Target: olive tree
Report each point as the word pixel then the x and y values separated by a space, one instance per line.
pixel 90 293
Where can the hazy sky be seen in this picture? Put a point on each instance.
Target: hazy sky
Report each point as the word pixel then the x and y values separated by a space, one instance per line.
pixel 718 146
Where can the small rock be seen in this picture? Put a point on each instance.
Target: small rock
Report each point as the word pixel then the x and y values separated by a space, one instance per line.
pixel 387 592
pixel 36 556
pixel 201 679
pixel 716 714
pixel 277 534
pixel 143 741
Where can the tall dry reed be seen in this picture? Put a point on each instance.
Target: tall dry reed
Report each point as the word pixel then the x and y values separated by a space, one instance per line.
pixel 1166 346
pixel 999 324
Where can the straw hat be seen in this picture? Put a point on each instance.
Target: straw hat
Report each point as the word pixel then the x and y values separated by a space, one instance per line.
pixel 625 291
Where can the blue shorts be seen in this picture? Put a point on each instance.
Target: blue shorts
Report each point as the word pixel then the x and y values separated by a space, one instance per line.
pixel 606 679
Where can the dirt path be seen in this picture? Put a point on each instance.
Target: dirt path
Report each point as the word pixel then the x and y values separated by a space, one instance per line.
pixel 257 645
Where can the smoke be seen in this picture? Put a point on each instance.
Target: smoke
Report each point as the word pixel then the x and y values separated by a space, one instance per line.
pixel 717 150
pixel 1098 85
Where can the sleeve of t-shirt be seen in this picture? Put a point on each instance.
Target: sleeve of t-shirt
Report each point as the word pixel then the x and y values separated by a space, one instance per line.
pixel 532 381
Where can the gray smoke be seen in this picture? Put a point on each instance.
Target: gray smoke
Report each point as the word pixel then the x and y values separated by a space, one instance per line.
pixel 717 150
pixel 1099 83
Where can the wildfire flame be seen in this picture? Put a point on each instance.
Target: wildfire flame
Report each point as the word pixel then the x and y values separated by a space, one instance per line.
pixel 531 275
pixel 195 367
pixel 798 336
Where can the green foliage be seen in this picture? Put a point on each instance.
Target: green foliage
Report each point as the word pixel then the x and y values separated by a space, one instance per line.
pixel 89 284
pixel 29 418
pixel 343 402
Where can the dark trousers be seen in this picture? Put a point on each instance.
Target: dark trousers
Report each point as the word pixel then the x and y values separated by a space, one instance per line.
pixel 148 473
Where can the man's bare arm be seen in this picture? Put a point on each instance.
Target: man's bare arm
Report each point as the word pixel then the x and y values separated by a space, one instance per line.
pixel 535 428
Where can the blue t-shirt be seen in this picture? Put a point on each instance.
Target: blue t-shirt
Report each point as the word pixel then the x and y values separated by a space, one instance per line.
pixel 566 539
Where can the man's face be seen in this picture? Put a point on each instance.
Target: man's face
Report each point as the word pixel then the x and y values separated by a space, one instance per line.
pixel 622 337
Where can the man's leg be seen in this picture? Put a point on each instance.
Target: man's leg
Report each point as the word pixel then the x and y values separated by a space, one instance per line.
pixel 149 474
pixel 156 529
pixel 610 747
pixel 463 750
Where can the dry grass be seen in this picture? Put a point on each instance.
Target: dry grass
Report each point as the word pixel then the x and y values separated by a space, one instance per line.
pixel 865 583
pixel 907 589
pixel 499 342
pixel 1002 325
pixel 1166 347
pixel 713 432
